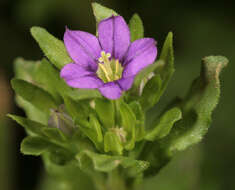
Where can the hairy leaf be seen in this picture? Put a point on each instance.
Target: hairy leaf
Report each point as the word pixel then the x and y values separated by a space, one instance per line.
pixel 136 27
pixel 53 48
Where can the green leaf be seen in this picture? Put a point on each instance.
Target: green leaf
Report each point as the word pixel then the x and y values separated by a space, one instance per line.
pixel 34 146
pixel 24 69
pixel 167 69
pixel 105 163
pixel 54 134
pixel 33 94
pixel 128 123
pixel 33 128
pixel 53 48
pixel 136 27
pixel 92 130
pixel 50 80
pixel 164 125
pixel 140 120
pixel 106 112
pixel 151 92
pixel 146 72
pixel 102 12
pixel 112 143
pixel 197 107
pixel 77 109
pixel 94 123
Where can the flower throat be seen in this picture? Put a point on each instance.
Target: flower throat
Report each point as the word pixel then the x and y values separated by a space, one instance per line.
pixel 109 69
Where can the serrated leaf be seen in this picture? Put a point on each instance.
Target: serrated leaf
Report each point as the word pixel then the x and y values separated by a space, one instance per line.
pixel 106 112
pixel 33 94
pixel 112 143
pixel 151 92
pixel 164 125
pixel 105 163
pixel 197 107
pixel 136 27
pixel 33 128
pixel 53 48
pixel 102 12
pixel 34 146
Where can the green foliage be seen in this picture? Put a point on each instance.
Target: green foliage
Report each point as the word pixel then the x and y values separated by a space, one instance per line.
pixel 82 129
pixel 112 142
pixel 197 107
pixel 105 163
pixel 166 70
pixel 33 94
pixel 101 12
pixel 34 146
pixel 106 111
pixel 136 27
pixel 151 92
pixel 164 125
pixel 53 48
pixel 128 121
pixel 196 110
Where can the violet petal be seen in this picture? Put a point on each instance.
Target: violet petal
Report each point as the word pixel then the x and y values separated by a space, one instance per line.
pixel 141 53
pixel 114 36
pixel 111 90
pixel 126 83
pixel 83 48
pixel 78 77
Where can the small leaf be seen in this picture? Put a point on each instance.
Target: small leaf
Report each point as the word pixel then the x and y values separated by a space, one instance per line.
pixel 94 123
pixel 151 93
pixel 34 146
pixel 54 134
pixel 112 143
pixel 165 124
pixel 92 130
pixel 77 109
pixel 106 112
pixel 33 128
pixel 53 48
pixel 105 163
pixel 33 94
pixel 102 12
pixel 136 27
pixel 128 123
pixel 146 72
pixel 140 120
pixel 167 69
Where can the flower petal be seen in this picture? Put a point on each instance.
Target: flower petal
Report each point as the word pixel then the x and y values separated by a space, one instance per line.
pixel 126 83
pixel 111 90
pixel 114 36
pixel 141 53
pixel 78 77
pixel 83 48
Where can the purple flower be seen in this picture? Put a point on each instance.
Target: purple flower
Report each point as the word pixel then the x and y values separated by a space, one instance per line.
pixel 109 62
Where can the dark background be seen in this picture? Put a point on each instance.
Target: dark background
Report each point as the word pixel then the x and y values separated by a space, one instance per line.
pixel 200 28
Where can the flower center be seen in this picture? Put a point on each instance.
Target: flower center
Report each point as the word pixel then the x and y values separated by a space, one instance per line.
pixel 109 69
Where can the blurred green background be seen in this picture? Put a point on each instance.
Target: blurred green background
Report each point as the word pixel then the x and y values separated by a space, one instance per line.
pixel 200 28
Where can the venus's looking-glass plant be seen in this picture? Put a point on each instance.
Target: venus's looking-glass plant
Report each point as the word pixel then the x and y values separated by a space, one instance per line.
pixel 106 135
